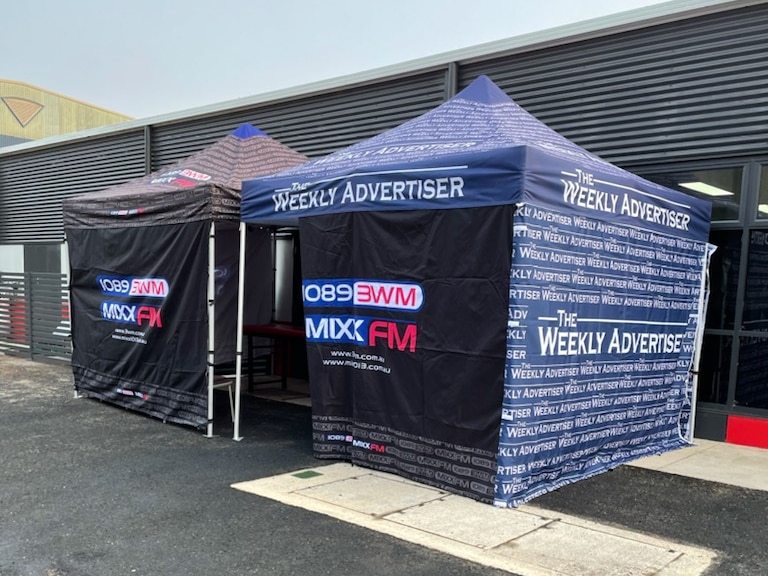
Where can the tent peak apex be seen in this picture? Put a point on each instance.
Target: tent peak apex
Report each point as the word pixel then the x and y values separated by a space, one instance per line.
pixel 247 130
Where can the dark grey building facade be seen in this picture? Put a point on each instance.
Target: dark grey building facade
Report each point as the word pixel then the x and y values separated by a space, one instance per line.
pixel 676 92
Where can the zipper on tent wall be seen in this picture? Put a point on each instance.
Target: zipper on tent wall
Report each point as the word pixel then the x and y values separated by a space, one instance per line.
pixel 211 323
pixel 273 290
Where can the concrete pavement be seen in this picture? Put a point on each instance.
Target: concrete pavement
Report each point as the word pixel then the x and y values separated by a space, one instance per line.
pixel 530 541
pixel 715 462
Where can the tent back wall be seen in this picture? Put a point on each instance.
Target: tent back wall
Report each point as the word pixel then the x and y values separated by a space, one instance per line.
pixel 425 383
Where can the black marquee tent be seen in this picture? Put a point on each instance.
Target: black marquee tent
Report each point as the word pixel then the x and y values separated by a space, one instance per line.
pixel 154 279
pixel 490 308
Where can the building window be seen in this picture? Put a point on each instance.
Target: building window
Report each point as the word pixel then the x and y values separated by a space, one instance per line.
pixel 42 258
pixel 723 279
pixel 762 199
pixel 715 360
pixel 714 369
pixel 721 186
pixel 751 385
pixel 755 315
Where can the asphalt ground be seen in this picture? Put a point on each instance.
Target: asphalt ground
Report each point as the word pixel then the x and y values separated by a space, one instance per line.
pixel 89 489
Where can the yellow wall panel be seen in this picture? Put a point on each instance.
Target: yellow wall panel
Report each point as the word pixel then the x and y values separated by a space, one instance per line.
pixel 31 113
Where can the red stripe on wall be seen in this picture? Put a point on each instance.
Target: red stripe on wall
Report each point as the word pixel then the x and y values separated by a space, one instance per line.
pixel 747 431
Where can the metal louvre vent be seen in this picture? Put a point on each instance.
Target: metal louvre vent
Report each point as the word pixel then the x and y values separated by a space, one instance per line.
pixel 314 125
pixel 329 122
pixel 34 184
pixel 34 316
pixel 173 142
pixel 678 91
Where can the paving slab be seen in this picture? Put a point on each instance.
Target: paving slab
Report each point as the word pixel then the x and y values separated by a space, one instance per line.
pixel 743 466
pixel 573 549
pixel 372 494
pixel 447 517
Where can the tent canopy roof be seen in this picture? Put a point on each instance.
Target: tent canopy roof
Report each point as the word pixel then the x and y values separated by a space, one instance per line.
pixel 479 148
pixel 205 185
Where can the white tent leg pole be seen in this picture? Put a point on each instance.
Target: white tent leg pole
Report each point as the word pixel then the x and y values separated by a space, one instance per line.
pixel 239 345
pixel 211 323
pixel 699 338
pixel 65 253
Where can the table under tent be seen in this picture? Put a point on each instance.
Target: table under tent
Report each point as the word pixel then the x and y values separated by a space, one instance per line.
pixel 154 280
pixel 489 308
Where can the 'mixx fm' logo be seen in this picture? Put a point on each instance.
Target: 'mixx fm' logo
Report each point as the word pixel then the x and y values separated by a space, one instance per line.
pixel 132 287
pixel 362 330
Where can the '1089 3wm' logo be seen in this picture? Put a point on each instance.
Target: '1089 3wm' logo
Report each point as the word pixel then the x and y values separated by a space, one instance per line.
pixel 362 330
pixel 131 287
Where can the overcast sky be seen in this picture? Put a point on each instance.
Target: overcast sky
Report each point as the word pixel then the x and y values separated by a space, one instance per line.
pixel 149 57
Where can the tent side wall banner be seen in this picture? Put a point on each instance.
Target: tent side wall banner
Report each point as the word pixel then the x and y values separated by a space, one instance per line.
pixel 140 317
pixel 493 359
pixel 604 312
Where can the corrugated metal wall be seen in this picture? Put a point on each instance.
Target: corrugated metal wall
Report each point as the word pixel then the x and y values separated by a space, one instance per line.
pixel 315 125
pixel 686 90
pixel 32 184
